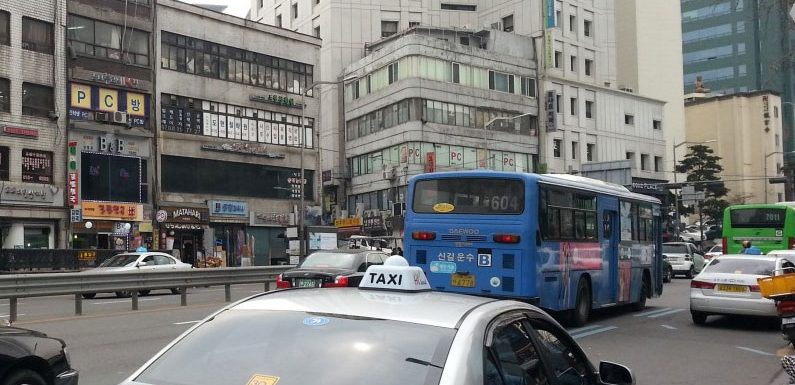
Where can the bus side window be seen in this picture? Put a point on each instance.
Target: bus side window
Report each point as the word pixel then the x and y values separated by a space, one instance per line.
pixel 606 224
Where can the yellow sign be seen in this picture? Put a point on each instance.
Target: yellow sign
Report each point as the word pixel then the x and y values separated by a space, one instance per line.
pixel 259 379
pixel 443 207
pixel 348 222
pixel 81 96
pixel 135 104
pixel 108 100
pixel 113 211
pixel 145 227
pixel 87 255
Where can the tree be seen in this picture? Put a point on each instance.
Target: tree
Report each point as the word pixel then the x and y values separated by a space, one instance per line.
pixel 703 169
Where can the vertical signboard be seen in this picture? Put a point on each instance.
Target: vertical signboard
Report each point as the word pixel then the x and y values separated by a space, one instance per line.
pixel 430 162
pixel 551 110
pixel 36 166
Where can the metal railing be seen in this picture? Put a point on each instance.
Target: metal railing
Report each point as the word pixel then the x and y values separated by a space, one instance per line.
pixel 15 286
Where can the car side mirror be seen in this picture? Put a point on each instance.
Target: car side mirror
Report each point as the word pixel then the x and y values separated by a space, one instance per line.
pixel 615 374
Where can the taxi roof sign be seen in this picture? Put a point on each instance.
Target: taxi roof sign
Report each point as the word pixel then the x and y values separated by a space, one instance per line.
pixel 395 274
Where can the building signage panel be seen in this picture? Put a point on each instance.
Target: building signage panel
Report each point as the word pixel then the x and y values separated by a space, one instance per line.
pixel 551 110
pixel 74 188
pixel 228 208
pixel 113 144
pixel 170 214
pixel 86 99
pixel 116 80
pixel 108 100
pixel 36 166
pixel 28 193
pixel 81 96
pixel 373 222
pixel 275 99
pixel 549 13
pixel 75 215
pixel 19 131
pixel 270 219
pixel 242 148
pixel 113 211
pixel 348 222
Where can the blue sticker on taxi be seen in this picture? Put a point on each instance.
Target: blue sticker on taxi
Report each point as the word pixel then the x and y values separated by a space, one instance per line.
pixel 316 321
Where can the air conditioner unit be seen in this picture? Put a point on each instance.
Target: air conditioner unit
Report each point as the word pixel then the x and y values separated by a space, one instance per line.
pixel 393 174
pixel 497 26
pixel 101 116
pixel 120 117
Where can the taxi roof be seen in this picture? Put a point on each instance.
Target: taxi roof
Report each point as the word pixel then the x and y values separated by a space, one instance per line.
pixel 427 308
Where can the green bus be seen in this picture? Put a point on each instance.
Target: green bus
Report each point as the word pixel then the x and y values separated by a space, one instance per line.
pixel 768 226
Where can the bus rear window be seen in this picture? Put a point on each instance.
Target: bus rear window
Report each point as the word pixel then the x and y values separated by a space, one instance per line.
pixel 469 196
pixel 758 217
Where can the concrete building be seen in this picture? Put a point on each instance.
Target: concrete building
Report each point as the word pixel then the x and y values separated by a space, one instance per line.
pixel 32 125
pixel 229 136
pixel 747 128
pixel 110 129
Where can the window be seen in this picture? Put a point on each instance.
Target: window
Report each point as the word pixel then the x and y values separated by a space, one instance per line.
pixel 507 23
pixel 777 140
pixel 573 106
pixel 565 361
pixel 711 32
pixel 413 24
pixel 775 111
pixel 573 63
pixel 499 81
pixel 5 98
pixel 261 3
pixel 556 148
pixel 656 124
pixel 574 150
pixel 590 151
pixel 5 28
pixel 512 355
pixel 572 23
pixel 393 72
pixel 388 28
pixel 567 215
pixel 712 10
pixel 589 109
pixel 708 54
pixel 557 103
pixel 99 39
pixel 5 163
pixel 588 67
pixel 37 35
pixel 558 59
pixel 629 119
pixel 644 161
pixel 459 7
pixel 278 21
pixel 587 26
pixel 295 10
pixel 658 161
pixel 456 73
pixel 529 87
pixel 37 100
pixel 355 90
pixel 317 31
pixel 630 155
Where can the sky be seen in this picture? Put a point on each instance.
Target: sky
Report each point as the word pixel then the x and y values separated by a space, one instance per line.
pixel 235 7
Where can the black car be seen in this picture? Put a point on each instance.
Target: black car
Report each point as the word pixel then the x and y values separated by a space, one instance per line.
pixel 331 268
pixel 28 357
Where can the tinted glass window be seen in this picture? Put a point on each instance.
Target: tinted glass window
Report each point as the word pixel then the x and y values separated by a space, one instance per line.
pixel 742 266
pixel 761 217
pixel 37 100
pixel 5 28
pixel 37 35
pixel 322 259
pixel 469 196
pixel 515 355
pixel 112 178
pixel 565 362
pixel 5 99
pixel 119 260
pixel 675 249
pixel 246 344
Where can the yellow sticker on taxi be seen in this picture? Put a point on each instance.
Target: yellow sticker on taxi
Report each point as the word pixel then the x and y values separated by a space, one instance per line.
pixel 259 379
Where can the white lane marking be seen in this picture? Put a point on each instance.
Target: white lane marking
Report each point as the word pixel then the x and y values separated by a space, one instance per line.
pixel 669 312
pixel 652 312
pixel 125 301
pixel 186 322
pixel 7 315
pixel 582 329
pixel 595 331
pixel 754 351
pixel 669 327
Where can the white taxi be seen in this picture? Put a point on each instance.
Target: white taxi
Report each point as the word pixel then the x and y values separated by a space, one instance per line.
pixel 392 329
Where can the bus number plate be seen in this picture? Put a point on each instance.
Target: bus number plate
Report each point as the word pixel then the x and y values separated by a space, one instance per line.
pixel 463 280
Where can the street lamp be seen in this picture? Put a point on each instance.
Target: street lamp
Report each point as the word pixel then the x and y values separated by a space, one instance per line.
pixel 302 236
pixel 676 199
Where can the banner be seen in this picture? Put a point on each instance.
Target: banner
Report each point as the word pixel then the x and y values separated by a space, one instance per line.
pixel 113 211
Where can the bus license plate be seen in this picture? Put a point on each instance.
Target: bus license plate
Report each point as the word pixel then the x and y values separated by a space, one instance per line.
pixel 307 283
pixel 732 288
pixel 463 280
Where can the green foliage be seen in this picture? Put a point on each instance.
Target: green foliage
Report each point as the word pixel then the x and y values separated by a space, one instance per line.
pixel 703 168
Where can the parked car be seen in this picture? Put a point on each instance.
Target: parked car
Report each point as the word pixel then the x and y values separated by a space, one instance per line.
pixel 714 251
pixel 407 333
pixel 28 357
pixel 693 233
pixel 728 286
pixel 138 261
pixel 684 258
pixel 331 268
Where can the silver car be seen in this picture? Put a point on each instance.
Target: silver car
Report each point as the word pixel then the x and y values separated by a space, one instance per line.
pixel 392 329
pixel 137 261
pixel 728 286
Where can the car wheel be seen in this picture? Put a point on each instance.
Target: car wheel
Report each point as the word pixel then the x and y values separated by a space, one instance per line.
pixel 175 291
pixel 89 295
pixel 691 273
pixel 144 292
pixel 582 308
pixel 24 377
pixel 668 275
pixel 699 318
pixel 124 294
pixel 644 290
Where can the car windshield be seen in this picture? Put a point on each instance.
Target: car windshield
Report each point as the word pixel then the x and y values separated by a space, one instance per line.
pixel 716 249
pixel 325 259
pixel 119 260
pixel 742 266
pixel 251 347
pixel 675 249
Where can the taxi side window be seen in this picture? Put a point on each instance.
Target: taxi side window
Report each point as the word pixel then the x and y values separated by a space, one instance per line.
pixel 565 363
pixel 512 358
pixel 787 267
pixel 150 260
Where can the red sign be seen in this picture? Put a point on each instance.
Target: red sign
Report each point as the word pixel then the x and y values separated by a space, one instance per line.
pixel 19 131
pixel 74 192
pixel 430 162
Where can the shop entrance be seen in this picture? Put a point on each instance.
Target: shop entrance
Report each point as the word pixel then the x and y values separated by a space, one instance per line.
pixel 270 245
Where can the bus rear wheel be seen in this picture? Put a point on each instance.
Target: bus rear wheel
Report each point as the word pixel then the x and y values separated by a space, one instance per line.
pixel 582 308
pixel 644 292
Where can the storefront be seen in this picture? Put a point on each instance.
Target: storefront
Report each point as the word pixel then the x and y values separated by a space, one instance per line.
pixel 35 200
pixel 108 225
pixel 181 231
pixel 348 226
pixel 267 231
pixel 229 222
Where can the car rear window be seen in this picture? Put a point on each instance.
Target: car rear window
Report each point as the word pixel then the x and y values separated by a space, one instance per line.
pixel 325 259
pixel 675 249
pixel 469 196
pixel 299 348
pixel 742 266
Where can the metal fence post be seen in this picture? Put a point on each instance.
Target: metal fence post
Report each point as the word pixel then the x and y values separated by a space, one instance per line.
pixel 228 293
pixel 183 296
pixel 12 304
pixel 135 300
pixel 78 304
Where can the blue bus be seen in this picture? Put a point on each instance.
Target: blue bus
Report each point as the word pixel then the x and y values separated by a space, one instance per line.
pixel 566 243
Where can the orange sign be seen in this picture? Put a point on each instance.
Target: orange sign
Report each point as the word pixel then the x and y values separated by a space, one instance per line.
pixel 348 222
pixel 113 211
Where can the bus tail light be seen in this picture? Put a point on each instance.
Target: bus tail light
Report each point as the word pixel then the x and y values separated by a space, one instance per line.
pixel 725 244
pixel 701 285
pixel 423 235
pixel 790 243
pixel 506 238
pixel 281 283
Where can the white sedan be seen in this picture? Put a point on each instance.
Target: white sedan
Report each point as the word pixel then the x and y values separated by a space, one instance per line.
pixel 137 261
pixel 728 286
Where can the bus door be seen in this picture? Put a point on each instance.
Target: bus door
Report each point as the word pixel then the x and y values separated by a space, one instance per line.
pixel 610 245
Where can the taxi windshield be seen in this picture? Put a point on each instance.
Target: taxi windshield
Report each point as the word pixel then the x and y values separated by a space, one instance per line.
pixel 299 347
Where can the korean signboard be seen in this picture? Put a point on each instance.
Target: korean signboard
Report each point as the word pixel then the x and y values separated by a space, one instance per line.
pixel 29 193
pixel 348 222
pixel 228 208
pixel 36 166
pixel 551 110
pixel 85 98
pixel 113 211
pixel 168 214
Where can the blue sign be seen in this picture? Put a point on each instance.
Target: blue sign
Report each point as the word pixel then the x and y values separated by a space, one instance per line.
pixel 550 14
pixel 78 114
pixel 228 208
pixel 316 321
pixel 443 267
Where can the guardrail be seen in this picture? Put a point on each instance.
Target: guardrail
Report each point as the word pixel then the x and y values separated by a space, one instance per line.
pixel 13 287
